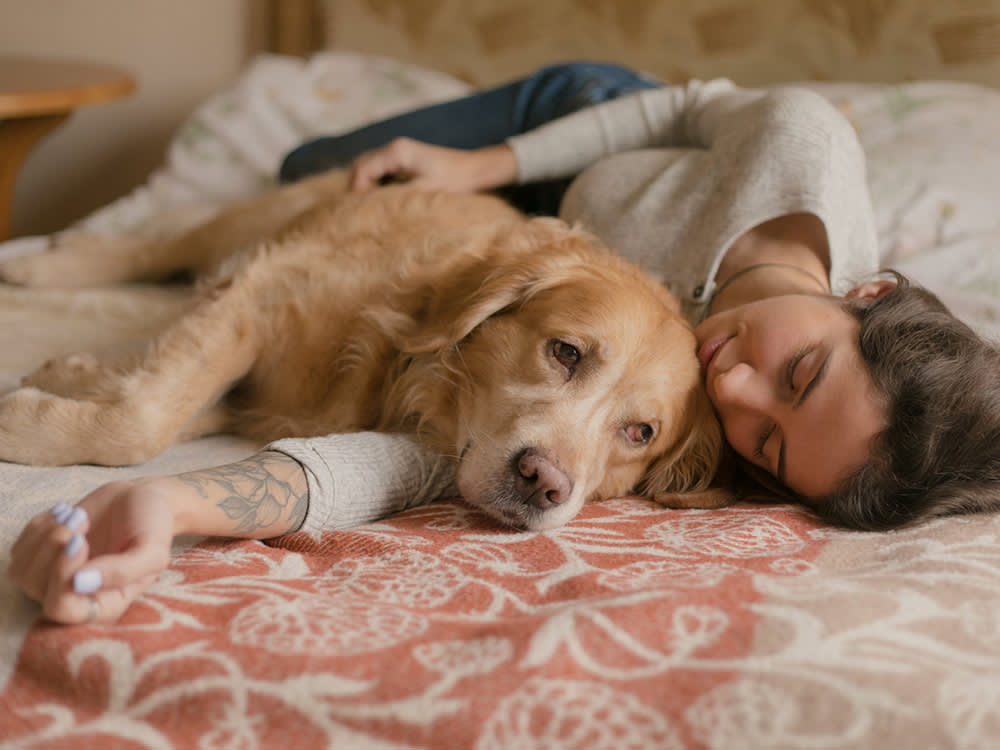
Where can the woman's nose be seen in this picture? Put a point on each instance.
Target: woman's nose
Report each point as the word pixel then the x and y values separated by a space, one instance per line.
pixel 741 386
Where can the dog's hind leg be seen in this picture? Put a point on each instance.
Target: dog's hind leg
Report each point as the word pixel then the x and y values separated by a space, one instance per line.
pixel 78 259
pixel 83 260
pixel 87 260
pixel 173 391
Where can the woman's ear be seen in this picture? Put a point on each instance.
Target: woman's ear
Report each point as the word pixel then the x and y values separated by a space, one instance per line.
pixel 872 290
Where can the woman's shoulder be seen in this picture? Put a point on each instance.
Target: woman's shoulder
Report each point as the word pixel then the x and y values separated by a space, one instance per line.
pixel 793 119
pixel 799 107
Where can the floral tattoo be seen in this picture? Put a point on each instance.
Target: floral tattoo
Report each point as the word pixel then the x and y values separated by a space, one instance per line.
pixel 254 493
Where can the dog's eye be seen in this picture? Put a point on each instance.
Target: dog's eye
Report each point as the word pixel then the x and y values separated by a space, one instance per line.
pixel 565 354
pixel 641 433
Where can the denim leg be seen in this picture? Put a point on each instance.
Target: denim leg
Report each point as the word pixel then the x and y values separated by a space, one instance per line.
pixel 558 90
pixel 482 119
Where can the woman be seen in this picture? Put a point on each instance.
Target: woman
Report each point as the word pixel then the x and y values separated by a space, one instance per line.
pixel 861 397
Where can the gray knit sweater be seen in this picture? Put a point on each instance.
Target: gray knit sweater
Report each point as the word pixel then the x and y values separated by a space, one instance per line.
pixel 670 178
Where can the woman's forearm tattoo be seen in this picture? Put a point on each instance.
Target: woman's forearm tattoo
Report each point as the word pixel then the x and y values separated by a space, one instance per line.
pixel 251 493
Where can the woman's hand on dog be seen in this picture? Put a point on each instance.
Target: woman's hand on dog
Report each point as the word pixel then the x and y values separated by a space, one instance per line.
pixel 434 167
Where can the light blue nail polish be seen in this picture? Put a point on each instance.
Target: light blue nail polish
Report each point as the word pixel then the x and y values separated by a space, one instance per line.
pixel 73 545
pixel 60 512
pixel 87 581
pixel 76 519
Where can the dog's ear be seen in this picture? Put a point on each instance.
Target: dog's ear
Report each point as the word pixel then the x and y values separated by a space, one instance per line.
pixel 683 478
pixel 516 262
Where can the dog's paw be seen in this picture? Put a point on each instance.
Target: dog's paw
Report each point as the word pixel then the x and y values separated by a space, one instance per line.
pixel 33 428
pixel 42 429
pixel 71 375
pixel 27 270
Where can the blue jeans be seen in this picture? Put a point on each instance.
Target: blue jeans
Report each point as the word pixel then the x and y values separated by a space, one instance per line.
pixel 482 119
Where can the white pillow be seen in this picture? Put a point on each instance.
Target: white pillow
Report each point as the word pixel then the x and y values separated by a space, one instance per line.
pixel 232 145
pixel 934 171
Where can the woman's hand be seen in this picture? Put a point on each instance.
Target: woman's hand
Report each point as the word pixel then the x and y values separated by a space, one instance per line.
pixel 435 167
pixel 88 563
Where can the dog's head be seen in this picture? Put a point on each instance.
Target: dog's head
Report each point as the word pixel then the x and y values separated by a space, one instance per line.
pixel 575 378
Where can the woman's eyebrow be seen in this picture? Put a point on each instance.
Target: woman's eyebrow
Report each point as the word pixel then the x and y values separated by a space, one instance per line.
pixel 817 378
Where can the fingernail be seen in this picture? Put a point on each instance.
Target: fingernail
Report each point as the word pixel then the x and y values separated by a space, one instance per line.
pixel 60 512
pixel 76 518
pixel 87 581
pixel 73 545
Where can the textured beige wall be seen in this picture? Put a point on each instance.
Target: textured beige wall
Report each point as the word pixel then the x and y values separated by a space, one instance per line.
pixel 180 51
pixel 755 42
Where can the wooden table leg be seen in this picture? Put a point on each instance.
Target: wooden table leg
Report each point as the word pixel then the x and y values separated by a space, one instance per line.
pixel 18 136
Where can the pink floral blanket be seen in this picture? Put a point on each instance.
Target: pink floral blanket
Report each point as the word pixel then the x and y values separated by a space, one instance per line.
pixel 632 627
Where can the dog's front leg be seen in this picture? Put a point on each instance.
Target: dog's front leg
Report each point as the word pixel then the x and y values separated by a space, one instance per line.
pixel 138 413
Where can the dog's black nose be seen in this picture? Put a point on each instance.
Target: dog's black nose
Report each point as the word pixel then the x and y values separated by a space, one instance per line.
pixel 541 482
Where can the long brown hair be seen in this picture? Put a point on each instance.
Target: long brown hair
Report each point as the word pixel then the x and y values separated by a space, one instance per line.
pixel 940 381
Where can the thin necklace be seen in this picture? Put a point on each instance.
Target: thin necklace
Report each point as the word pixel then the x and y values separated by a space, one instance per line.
pixel 748 269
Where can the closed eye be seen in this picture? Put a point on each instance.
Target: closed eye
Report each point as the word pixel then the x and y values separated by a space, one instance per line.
pixel 791 368
pixel 762 439
pixel 799 394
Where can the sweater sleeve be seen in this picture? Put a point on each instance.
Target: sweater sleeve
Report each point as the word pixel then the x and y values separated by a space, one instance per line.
pixel 673 116
pixel 356 478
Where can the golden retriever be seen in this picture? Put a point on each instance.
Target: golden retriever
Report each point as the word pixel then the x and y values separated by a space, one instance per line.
pixel 551 370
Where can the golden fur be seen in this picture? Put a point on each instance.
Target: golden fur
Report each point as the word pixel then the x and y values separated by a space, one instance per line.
pixel 550 369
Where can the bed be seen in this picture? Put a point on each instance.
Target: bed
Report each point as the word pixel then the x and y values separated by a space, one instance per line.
pixel 632 627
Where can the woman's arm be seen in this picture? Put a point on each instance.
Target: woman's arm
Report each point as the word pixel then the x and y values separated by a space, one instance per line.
pixel 113 544
pixel 673 116
pixel 261 497
pixel 91 561
pixel 670 117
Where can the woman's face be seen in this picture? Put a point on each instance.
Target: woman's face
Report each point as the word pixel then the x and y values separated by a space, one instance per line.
pixel 787 381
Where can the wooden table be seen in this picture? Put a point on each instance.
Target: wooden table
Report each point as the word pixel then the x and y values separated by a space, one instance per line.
pixel 37 95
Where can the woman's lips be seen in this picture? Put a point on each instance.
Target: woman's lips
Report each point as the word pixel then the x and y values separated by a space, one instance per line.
pixel 709 349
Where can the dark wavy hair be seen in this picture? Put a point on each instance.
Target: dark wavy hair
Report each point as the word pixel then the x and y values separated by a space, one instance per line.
pixel 940 385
